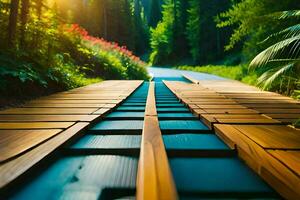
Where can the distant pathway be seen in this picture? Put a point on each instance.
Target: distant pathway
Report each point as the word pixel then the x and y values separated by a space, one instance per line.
pixel 168 72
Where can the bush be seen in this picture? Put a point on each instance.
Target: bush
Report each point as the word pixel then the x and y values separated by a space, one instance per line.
pixel 104 58
pixel 238 72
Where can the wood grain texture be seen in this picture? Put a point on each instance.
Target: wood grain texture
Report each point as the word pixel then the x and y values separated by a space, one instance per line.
pixel 15 142
pixel 270 149
pixel 34 125
pixel 31 133
pixel 272 137
pixel 221 91
pixel 48 111
pixel 277 174
pixel 290 158
pixel 154 179
pixel 48 118
pixel 13 169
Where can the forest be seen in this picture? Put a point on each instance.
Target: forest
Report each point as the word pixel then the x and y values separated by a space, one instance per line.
pixel 54 45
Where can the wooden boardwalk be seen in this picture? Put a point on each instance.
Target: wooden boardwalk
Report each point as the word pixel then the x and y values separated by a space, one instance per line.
pixel 253 124
pixel 30 133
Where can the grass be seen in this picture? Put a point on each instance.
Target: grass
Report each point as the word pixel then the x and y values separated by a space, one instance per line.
pixel 238 72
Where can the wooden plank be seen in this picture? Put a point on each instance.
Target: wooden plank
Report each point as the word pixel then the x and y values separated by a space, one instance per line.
pixel 154 179
pixel 233 116
pixel 16 142
pixel 22 149
pixel 13 169
pixel 221 106
pixel 281 178
pixel 101 111
pixel 62 105
pixel 34 125
pixel 230 111
pixel 150 109
pixel 287 116
pixel 47 111
pixel 48 118
pixel 248 121
pixel 79 101
pixel 272 137
pixel 290 158
pixel 273 105
pixel 278 111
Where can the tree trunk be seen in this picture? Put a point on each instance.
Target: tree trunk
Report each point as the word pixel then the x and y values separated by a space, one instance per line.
pixel 39 5
pixel 12 24
pixel 105 19
pixel 24 19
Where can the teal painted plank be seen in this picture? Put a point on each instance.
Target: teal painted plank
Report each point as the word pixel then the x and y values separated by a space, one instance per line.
pixel 135 101
pixel 125 115
pixel 182 125
pixel 81 177
pixel 167 101
pixel 108 142
pixel 134 104
pixel 183 109
pixel 182 116
pixel 194 142
pixel 118 125
pixel 170 105
pixel 131 108
pixel 216 175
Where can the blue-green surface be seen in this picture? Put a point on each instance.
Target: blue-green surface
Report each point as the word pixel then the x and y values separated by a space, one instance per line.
pixel 194 142
pixel 131 108
pixel 170 78
pixel 125 115
pixel 108 142
pixel 119 125
pixel 134 104
pixel 170 105
pixel 166 101
pixel 182 116
pixel 188 125
pixel 183 109
pixel 81 177
pixel 215 175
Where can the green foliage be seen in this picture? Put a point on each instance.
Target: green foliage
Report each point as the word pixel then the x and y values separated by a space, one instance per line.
pixel 46 57
pixel 162 36
pixel 188 32
pixel 121 21
pixel 155 13
pixel 253 21
pixel 280 63
pixel 238 72
pixel 194 29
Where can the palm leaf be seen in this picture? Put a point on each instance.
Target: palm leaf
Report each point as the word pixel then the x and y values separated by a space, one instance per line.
pixel 291 31
pixel 268 78
pixel 287 49
pixel 289 14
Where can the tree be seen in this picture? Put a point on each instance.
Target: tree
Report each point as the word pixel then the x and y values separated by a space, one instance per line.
pixel 193 30
pixel 155 13
pixel 252 23
pixel 24 19
pixel 141 29
pixel 162 36
pixel 12 24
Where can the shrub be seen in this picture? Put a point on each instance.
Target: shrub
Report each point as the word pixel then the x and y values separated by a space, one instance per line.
pixel 103 58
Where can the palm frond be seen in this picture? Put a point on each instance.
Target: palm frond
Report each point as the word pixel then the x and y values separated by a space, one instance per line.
pixel 291 31
pixel 284 49
pixel 289 14
pixel 268 78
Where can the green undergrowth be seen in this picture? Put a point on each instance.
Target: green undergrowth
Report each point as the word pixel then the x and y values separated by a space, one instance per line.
pixel 238 72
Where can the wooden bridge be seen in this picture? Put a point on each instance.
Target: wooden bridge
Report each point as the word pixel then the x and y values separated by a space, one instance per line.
pixel 165 139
